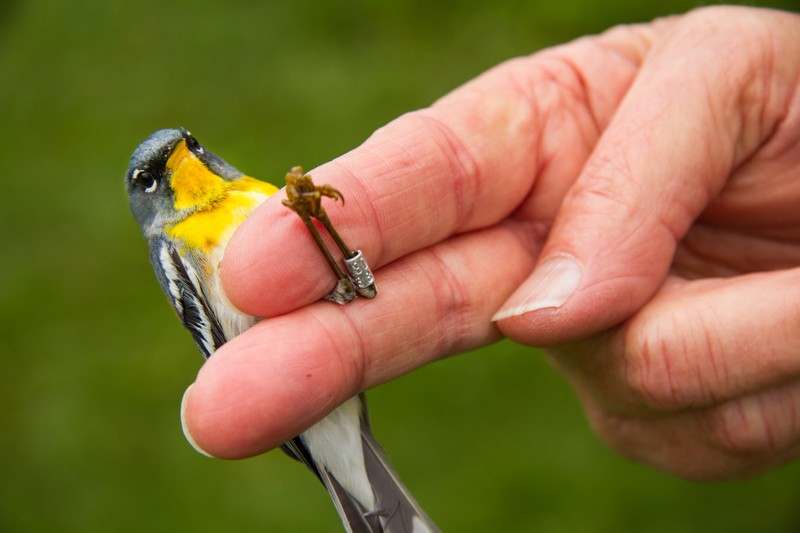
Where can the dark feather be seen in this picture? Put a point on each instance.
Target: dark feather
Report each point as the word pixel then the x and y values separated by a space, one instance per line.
pixel 298 451
pixel 352 514
pixel 182 286
pixel 397 508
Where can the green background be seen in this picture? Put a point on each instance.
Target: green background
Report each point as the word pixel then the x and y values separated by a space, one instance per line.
pixel 94 362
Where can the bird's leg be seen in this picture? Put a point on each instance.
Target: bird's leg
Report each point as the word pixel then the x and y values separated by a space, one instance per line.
pixel 354 260
pixel 344 291
pixel 305 199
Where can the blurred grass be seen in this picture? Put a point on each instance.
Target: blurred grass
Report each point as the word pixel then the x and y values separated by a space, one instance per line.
pixel 94 363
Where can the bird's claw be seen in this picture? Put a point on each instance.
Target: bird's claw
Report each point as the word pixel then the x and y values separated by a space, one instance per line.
pixel 305 198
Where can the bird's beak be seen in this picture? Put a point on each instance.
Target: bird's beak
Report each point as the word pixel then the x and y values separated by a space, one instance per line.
pixel 193 184
pixel 176 158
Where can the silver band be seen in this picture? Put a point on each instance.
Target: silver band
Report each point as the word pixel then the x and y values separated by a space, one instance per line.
pixel 359 270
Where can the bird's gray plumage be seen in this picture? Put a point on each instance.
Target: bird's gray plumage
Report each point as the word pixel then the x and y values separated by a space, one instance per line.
pixel 151 210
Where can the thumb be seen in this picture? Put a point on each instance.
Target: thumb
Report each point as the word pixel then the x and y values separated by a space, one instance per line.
pixel 666 153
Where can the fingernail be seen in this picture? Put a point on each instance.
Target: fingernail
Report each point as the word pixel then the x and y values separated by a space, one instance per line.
pixel 551 285
pixel 185 427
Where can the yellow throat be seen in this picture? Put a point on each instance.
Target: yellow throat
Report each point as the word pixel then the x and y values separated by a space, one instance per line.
pixel 219 205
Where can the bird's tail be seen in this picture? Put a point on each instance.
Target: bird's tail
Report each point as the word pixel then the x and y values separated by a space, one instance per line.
pixel 395 510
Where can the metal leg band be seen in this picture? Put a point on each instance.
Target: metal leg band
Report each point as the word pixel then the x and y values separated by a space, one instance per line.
pixel 361 274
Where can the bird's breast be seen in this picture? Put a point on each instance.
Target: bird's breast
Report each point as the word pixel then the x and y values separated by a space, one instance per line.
pixel 211 226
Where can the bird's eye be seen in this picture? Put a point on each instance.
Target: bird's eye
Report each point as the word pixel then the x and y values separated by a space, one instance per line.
pixel 146 179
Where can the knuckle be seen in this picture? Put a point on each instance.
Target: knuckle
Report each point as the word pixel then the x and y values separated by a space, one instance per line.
pixel 671 446
pixel 464 165
pixel 612 428
pixel 744 429
pixel 673 363
pixel 452 302
pixel 345 352
pixel 654 376
pixel 607 172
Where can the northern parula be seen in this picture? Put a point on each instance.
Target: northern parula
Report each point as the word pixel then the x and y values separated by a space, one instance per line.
pixel 188 202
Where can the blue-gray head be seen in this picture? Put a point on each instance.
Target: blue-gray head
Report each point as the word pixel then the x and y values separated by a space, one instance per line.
pixel 149 180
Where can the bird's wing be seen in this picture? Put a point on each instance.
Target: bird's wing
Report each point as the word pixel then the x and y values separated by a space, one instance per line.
pixel 180 282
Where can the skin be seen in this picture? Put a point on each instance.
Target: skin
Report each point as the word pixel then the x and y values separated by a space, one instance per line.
pixel 663 158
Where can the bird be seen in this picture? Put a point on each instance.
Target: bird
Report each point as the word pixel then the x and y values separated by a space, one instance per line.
pixel 188 202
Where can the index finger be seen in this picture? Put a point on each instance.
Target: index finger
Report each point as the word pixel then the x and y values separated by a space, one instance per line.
pixel 464 163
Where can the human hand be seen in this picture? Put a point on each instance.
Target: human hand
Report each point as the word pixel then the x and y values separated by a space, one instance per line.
pixel 659 157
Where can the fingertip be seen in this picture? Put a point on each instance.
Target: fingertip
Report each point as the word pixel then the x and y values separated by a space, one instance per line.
pixel 216 408
pixel 566 299
pixel 264 387
pixel 187 433
pixel 262 272
pixel 531 315
pixel 242 258
pixel 553 282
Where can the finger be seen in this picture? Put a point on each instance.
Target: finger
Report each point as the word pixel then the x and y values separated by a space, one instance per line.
pixel 666 153
pixel 286 373
pixel 427 175
pixel 739 438
pixel 465 163
pixel 696 344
